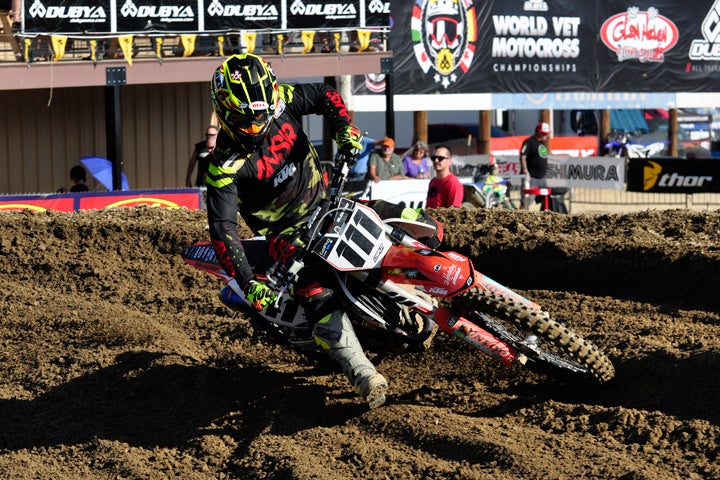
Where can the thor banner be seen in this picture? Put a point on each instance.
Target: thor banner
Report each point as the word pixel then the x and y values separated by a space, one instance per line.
pixel 673 175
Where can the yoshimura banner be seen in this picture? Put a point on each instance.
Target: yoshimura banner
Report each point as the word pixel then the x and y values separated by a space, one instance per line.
pixel 586 172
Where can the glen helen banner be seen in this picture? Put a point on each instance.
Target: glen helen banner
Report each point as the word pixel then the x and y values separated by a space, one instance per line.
pixel 530 46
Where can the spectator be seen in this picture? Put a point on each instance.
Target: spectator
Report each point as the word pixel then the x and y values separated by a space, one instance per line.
pixel 359 171
pixel 385 165
pixel 416 163
pixel 78 176
pixel 15 8
pixel 201 156
pixel 534 161
pixel 445 189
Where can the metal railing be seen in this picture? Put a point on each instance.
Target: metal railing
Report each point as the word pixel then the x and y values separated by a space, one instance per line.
pixel 603 200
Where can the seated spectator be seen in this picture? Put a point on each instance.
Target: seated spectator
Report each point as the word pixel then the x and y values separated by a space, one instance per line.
pixel 385 165
pixel 15 9
pixel 359 171
pixel 416 163
pixel 79 179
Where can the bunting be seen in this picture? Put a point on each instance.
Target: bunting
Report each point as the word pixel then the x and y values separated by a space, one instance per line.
pixel 126 45
pixel 221 49
pixel 364 39
pixel 58 45
pixel 158 47
pixel 93 50
pixel 188 43
pixel 308 38
pixel 249 39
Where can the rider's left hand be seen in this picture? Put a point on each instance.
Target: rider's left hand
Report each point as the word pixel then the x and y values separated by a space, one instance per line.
pixel 348 138
pixel 259 294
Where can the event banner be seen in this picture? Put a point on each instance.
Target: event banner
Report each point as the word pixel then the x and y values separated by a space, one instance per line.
pixel 181 16
pixel 673 175
pixel 534 46
pixel 243 15
pixel 189 198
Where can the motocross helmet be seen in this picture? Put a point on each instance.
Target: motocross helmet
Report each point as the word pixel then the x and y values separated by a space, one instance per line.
pixel 245 97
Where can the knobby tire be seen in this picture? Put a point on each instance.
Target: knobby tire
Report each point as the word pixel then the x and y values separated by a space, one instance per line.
pixel 567 344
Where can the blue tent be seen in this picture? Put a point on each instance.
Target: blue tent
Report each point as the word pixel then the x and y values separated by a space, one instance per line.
pixel 628 121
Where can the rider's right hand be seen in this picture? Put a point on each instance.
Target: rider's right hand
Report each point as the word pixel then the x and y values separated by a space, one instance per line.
pixel 259 294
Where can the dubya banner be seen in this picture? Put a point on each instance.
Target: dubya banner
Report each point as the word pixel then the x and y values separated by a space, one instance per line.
pixel 142 16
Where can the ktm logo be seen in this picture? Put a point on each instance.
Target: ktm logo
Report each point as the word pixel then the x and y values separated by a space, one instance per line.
pixel 652 175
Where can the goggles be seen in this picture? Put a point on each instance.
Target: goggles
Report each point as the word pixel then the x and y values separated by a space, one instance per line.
pixel 444 32
pixel 251 124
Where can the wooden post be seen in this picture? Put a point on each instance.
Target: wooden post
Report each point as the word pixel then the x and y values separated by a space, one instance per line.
pixel 484 132
pixel 604 131
pixel 672 132
pixel 420 127
pixel 545 116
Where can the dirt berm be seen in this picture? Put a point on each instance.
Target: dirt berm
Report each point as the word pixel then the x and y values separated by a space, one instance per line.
pixel 117 361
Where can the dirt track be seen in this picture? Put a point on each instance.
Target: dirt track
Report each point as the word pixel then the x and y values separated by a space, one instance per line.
pixel 118 362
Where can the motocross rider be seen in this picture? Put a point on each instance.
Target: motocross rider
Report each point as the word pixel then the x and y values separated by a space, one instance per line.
pixel 265 168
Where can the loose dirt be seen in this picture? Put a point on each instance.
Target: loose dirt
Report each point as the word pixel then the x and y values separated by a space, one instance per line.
pixel 117 360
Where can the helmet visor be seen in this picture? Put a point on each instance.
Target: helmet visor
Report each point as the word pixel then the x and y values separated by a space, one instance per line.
pixel 249 123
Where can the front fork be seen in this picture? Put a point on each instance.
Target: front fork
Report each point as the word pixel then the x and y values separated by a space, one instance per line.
pixel 468 332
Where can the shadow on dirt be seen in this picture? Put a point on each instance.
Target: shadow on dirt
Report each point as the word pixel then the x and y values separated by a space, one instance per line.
pixel 151 399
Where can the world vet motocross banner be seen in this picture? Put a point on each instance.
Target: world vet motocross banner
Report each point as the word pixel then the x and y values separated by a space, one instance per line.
pixel 142 16
pixel 530 46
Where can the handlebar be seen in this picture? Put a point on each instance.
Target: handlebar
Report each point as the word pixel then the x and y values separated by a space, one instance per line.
pixel 281 276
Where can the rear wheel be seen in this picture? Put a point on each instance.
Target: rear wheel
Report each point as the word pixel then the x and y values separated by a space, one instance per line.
pixel 547 345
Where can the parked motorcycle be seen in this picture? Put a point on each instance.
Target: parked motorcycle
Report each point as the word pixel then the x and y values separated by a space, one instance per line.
pixel 488 190
pixel 394 286
pixel 622 145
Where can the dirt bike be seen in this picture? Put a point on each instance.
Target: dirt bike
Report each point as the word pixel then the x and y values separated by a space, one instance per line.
pixel 488 190
pixel 624 146
pixel 394 285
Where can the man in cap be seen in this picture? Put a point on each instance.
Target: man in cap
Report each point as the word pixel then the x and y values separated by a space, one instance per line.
pixel 386 165
pixel 534 160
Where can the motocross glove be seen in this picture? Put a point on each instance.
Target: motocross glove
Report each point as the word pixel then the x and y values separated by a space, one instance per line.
pixel 259 294
pixel 348 139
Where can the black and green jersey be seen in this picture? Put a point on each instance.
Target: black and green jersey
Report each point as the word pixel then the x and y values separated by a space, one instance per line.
pixel 275 186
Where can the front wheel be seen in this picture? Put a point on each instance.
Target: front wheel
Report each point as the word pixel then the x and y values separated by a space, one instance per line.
pixel 547 345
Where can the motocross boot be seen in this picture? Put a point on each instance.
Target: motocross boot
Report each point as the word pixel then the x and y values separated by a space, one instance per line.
pixel 335 334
